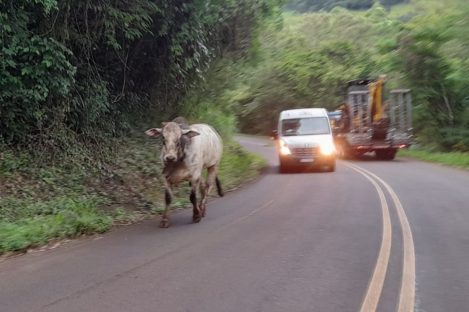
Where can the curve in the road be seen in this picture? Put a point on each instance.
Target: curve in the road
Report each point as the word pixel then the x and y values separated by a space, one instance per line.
pixel 407 290
pixel 373 293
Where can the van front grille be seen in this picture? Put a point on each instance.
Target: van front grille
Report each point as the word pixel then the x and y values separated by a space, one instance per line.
pixel 305 152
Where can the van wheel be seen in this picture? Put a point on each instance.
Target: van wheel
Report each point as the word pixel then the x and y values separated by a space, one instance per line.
pixel 331 166
pixel 284 168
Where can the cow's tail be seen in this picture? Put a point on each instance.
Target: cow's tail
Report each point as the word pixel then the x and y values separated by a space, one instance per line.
pixel 219 189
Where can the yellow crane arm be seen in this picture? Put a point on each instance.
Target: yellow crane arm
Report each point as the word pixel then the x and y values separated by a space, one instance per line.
pixel 376 95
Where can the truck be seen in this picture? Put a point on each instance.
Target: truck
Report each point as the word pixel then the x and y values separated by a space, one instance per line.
pixel 367 121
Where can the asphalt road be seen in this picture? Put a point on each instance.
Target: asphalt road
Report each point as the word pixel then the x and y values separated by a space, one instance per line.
pixel 342 241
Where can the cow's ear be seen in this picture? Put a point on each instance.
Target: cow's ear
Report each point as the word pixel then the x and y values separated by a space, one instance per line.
pixel 153 132
pixel 163 124
pixel 190 133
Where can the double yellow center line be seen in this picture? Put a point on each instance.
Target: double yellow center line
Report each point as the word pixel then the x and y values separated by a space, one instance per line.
pixel 375 287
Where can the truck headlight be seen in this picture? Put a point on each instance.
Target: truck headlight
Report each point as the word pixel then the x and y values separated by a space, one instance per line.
pixel 327 149
pixel 284 150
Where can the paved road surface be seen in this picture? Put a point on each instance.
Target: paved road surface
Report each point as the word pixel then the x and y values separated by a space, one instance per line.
pixel 292 242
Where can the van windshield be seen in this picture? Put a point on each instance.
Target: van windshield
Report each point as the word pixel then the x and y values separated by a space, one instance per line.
pixel 305 126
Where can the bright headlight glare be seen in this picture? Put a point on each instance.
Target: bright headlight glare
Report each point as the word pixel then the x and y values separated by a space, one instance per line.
pixel 327 149
pixel 284 150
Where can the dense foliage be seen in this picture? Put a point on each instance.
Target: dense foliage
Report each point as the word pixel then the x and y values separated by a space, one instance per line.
pixel 83 70
pixel 433 53
pixel 306 62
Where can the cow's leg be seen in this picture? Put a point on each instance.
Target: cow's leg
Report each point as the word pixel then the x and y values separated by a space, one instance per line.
pixel 196 215
pixel 168 195
pixel 202 192
pixel 211 175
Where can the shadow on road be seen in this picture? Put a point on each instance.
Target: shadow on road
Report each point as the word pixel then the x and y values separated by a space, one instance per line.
pixel 369 157
pixel 275 170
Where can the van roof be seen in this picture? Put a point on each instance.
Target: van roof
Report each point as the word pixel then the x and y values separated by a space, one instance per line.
pixel 303 112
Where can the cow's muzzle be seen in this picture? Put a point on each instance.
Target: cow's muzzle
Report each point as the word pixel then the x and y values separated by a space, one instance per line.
pixel 170 159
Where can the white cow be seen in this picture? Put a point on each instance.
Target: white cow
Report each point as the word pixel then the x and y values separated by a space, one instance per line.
pixel 186 151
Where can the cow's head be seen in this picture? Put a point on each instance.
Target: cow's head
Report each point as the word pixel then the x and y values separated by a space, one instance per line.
pixel 175 139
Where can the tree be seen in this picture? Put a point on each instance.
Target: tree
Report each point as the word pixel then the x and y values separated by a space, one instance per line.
pixel 79 71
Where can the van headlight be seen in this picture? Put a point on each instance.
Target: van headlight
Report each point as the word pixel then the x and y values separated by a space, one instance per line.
pixel 284 150
pixel 327 149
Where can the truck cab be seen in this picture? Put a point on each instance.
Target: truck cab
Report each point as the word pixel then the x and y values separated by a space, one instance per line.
pixel 304 138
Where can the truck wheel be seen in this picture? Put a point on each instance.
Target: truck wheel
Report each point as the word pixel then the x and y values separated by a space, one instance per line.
pixel 331 166
pixel 387 154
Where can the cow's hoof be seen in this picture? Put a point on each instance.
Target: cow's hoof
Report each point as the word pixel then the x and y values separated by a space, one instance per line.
pixel 164 223
pixel 196 219
pixel 202 209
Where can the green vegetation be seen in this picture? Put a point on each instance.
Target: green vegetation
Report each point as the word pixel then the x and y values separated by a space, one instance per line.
pixel 454 159
pixel 238 166
pixel 86 71
pixel 26 223
pixel 304 60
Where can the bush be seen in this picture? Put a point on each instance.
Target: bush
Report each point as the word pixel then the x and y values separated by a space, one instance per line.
pixel 455 139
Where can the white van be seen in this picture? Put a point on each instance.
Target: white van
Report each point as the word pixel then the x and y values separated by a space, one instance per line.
pixel 304 137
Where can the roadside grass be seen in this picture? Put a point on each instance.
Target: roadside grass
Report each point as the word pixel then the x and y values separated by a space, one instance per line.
pixel 38 222
pixel 453 159
pixel 43 203
pixel 402 10
pixel 238 166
